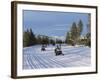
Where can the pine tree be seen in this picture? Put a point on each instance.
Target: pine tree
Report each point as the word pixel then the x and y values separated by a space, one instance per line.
pixel 74 33
pixel 39 39
pixel 29 38
pixel 88 35
pixel 26 38
pixel 79 31
pixel 68 38
pixel 80 27
pixel 32 37
pixel 58 41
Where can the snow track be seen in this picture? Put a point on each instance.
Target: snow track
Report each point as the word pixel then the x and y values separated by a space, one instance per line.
pixel 34 58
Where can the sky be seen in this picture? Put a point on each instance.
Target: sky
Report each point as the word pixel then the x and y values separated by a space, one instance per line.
pixel 52 23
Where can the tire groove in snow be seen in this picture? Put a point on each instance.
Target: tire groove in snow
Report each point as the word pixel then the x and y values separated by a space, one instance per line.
pixel 42 62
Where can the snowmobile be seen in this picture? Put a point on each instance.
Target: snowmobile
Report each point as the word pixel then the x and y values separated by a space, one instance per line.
pixel 58 51
pixel 43 48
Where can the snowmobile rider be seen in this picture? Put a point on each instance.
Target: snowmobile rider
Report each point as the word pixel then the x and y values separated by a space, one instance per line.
pixel 58 50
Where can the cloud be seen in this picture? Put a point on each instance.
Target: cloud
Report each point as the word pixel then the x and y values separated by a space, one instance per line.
pixel 59 27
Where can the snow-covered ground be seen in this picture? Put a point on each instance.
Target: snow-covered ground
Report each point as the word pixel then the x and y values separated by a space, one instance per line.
pixel 34 58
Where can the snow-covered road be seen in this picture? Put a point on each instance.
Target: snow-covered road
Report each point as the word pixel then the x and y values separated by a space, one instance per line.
pixel 34 58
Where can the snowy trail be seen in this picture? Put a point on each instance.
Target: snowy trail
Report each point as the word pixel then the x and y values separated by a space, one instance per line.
pixel 34 58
